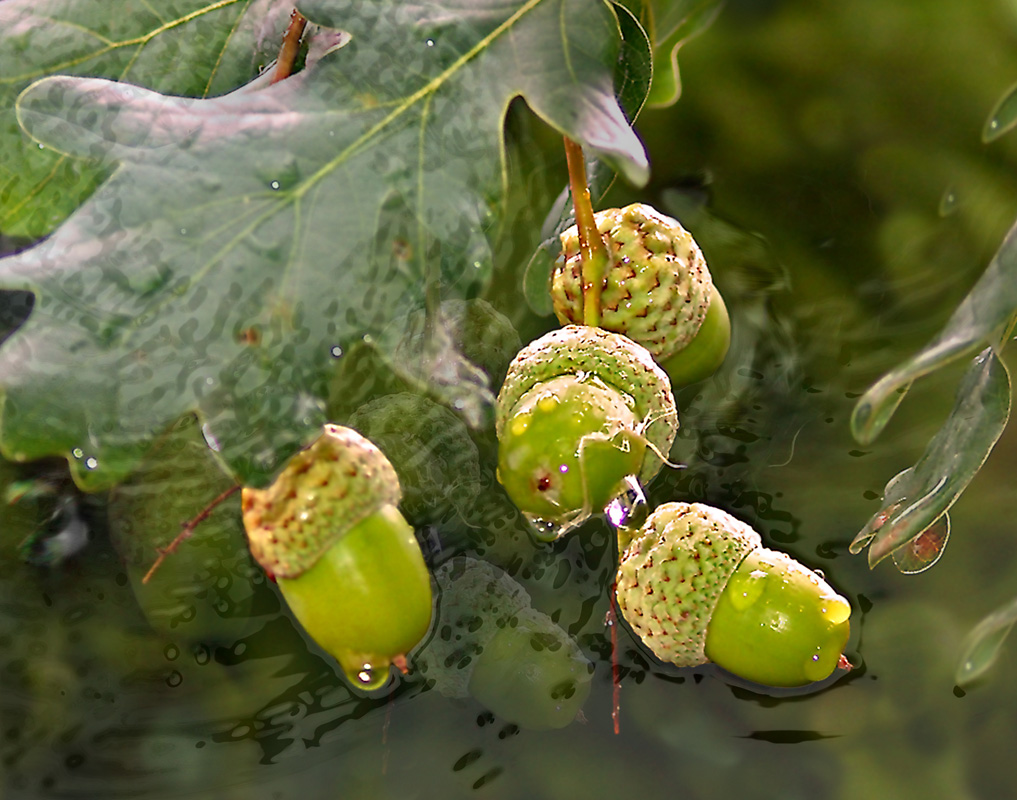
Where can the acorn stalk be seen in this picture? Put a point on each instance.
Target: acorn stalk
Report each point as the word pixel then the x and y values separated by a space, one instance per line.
pixel 329 530
pixel 656 289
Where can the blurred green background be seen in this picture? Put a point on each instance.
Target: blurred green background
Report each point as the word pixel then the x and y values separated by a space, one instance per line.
pixel 829 158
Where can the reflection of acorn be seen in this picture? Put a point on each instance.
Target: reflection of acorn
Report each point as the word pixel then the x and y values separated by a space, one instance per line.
pixel 489 642
pixel 657 290
pixel 697 586
pixel 431 449
pixel 580 410
pixel 346 561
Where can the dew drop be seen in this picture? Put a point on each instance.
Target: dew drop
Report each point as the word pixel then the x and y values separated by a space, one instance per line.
pixel 210 440
pixel 368 677
pixel 91 462
pixel 430 43
pixel 629 509
pixel 77 452
pixel 948 203
pixel 836 610
pixel 183 231
pixel 544 530
pixel 336 351
pixel 745 589
pixel 41 146
pixel 274 185
pixel 817 666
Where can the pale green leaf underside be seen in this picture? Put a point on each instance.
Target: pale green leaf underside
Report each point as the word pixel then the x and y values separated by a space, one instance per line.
pixel 195 48
pixel 244 241
pixel 916 498
pixel 980 318
pixel 982 646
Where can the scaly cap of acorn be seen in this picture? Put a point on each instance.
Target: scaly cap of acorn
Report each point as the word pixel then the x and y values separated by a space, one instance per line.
pixel 344 558
pixel 657 290
pixel 696 585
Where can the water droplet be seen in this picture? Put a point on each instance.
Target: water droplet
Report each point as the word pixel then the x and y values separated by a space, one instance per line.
pixel 171 652
pixel 183 231
pixel 430 43
pixel 1003 116
pixel 274 185
pixel 745 589
pixel 41 146
pixel 948 203
pixel 174 679
pixel 91 462
pixel 210 440
pixel 544 530
pixel 368 677
pixel 336 351
pixel 77 452
pixel 629 509
pixel 817 666
pixel 836 609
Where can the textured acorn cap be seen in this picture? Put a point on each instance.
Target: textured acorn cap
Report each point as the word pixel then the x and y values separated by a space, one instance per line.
pixel 673 573
pixel 614 359
pixel 656 288
pixel 321 493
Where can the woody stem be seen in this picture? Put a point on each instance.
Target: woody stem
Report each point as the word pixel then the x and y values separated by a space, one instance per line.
pixel 592 251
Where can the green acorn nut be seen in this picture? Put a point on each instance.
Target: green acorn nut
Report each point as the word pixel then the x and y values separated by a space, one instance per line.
pixel 657 290
pixel 581 411
pixel 346 561
pixel 696 585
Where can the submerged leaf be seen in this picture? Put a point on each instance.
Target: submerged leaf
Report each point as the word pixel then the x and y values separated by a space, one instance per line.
pixel 243 241
pixel 981 317
pixel 916 498
pixel 981 649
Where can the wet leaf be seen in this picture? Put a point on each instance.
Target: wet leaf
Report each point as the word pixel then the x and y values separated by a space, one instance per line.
pixel 633 73
pixel 243 241
pixel 1003 116
pixel 981 317
pixel 675 23
pixel 198 48
pixel 916 498
pixel 925 549
pixel 981 649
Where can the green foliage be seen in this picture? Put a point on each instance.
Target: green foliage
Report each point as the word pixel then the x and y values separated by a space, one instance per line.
pixel 193 279
pixel 194 48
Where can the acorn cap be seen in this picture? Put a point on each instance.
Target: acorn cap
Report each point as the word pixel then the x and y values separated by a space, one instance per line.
pixel 656 288
pixel 321 493
pixel 616 360
pixel 674 571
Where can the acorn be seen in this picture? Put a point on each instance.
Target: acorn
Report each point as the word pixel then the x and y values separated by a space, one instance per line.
pixel 346 561
pixel 697 586
pixel 581 413
pixel 656 289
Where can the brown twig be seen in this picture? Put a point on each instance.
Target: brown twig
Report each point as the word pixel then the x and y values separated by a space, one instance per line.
pixel 187 529
pixel 290 46
pixel 612 622
pixel 592 251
